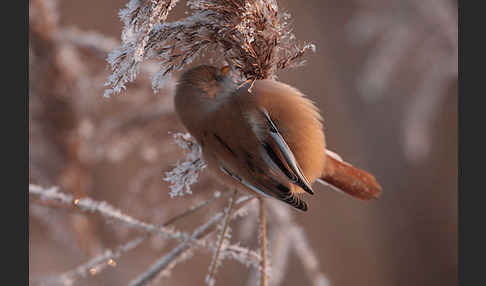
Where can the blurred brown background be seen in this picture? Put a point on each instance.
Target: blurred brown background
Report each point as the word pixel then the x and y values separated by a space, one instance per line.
pixel 385 78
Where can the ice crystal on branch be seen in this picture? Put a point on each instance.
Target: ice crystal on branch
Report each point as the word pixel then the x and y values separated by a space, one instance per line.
pixel 139 17
pixel 251 35
pixel 185 173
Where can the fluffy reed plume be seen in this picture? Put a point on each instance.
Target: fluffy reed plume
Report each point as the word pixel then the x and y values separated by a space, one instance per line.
pixel 253 36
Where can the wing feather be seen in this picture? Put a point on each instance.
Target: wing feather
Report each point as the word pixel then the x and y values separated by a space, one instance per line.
pixel 280 153
pixel 279 191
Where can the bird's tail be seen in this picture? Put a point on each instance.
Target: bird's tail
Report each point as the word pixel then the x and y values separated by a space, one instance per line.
pixel 353 181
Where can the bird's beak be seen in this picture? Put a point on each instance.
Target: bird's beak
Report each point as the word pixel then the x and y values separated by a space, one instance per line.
pixel 225 70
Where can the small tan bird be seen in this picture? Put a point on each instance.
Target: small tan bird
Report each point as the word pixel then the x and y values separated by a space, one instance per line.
pixel 268 140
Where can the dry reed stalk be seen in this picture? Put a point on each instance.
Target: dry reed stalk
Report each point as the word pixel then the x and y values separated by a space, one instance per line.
pixel 263 242
pixel 215 262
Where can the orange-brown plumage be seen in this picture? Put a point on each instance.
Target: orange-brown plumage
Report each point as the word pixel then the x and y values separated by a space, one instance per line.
pixel 268 141
pixel 298 121
pixel 347 178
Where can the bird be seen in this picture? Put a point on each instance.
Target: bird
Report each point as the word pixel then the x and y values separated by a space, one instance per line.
pixel 264 137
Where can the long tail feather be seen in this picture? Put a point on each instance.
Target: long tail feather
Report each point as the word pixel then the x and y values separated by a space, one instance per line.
pixel 349 179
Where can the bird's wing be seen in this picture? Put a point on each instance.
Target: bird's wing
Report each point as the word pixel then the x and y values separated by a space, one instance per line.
pixel 280 154
pixel 249 148
pixel 267 187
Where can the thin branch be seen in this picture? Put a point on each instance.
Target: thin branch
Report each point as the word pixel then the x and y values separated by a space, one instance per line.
pixel 215 262
pixel 241 254
pixel 263 243
pixel 167 261
pixel 99 263
pixel 106 210
pixel 178 254
pixel 174 254
pixel 195 208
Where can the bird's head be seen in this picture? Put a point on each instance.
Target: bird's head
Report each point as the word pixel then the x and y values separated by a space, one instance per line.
pixel 201 90
pixel 207 82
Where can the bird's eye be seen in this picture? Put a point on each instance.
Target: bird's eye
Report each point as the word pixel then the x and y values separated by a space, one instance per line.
pixel 225 70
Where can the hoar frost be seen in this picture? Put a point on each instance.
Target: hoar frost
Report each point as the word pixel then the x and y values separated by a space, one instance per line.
pixel 185 173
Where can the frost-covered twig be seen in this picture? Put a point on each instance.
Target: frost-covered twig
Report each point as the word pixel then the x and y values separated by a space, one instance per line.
pixel 139 18
pixel 223 236
pixel 168 261
pixel 173 256
pixel 185 173
pixel 50 194
pixel 105 209
pixel 195 208
pixel 96 264
pixel 99 263
pixel 242 254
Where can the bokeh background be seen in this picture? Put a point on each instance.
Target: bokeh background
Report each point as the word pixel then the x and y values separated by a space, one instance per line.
pixel 385 78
